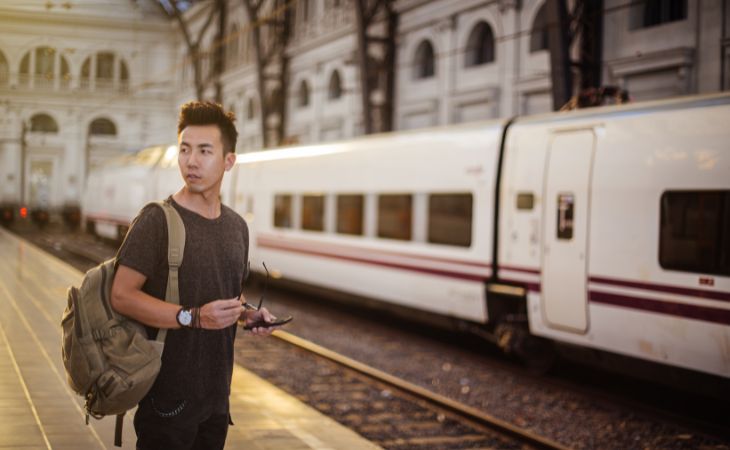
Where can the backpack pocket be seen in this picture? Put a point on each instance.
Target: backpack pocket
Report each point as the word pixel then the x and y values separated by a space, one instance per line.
pixel 75 348
pixel 133 365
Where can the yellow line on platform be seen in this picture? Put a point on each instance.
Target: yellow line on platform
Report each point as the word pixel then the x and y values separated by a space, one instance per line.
pixel 25 388
pixel 61 379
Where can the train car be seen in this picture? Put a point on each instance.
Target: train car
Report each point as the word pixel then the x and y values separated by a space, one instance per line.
pixel 616 225
pixel 605 229
pixel 116 191
pixel 405 219
pixel 612 229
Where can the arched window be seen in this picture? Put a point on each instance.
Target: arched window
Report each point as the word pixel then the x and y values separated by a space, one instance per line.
pixel 104 71
pixel 424 63
pixel 657 12
pixel 480 45
pixel 303 94
pixel 251 109
pixel 539 31
pixel 123 75
pixel 105 66
pixel 43 67
pixel 335 87
pixel 102 127
pixel 43 123
pixel 86 73
pixel 45 62
pixel 4 70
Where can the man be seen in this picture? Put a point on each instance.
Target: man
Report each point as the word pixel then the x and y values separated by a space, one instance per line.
pixel 188 405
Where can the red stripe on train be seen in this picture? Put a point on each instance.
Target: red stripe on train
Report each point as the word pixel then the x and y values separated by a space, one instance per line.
pixel 412 268
pixel 277 240
pixel 703 313
pixel 713 295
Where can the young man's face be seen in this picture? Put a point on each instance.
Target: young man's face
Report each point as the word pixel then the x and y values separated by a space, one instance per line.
pixel 201 158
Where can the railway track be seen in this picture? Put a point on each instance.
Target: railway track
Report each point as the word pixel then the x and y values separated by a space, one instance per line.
pixel 465 412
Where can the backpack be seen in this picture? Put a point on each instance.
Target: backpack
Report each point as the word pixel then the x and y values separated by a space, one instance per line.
pixel 108 358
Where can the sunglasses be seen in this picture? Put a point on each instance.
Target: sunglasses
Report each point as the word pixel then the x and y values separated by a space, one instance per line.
pixel 263 293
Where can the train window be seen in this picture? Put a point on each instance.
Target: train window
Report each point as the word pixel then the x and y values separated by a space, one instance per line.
pixel 566 203
pixel 350 214
pixel 525 201
pixel 449 219
pixel 695 231
pixel 394 216
pixel 313 212
pixel 282 211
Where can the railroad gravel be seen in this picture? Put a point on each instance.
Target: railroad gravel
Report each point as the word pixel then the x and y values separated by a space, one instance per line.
pixel 484 379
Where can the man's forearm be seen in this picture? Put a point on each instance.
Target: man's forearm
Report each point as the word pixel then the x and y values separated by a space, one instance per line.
pixel 145 308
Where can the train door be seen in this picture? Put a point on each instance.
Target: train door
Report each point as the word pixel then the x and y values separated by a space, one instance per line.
pixel 565 230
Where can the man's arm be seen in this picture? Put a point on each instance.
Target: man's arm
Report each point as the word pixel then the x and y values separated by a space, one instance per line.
pixel 129 300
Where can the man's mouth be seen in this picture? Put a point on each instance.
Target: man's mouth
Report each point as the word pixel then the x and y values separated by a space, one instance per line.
pixel 192 177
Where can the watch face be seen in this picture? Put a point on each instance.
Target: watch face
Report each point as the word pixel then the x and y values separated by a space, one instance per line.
pixel 185 317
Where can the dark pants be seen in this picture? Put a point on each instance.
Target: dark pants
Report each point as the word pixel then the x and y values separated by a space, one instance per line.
pixel 179 427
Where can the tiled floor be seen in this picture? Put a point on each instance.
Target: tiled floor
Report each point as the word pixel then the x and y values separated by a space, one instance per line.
pixel 39 411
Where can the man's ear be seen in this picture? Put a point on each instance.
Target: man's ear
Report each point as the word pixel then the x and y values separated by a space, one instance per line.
pixel 230 160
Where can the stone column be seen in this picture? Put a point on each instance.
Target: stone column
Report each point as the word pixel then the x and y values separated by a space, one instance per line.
pixel 508 57
pixel 445 59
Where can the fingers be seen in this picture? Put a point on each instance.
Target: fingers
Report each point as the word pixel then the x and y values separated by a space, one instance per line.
pixel 266 316
pixel 220 313
pixel 230 303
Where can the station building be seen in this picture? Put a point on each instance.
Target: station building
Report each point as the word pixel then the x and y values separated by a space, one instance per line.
pixel 83 81
pixel 80 82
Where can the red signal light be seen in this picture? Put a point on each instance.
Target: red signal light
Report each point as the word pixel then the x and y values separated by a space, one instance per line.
pixel 23 212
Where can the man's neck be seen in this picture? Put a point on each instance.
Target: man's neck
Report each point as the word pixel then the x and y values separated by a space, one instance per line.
pixel 207 204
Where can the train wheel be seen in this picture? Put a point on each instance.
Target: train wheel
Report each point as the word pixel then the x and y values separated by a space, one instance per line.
pixel 40 217
pixel 71 216
pixel 536 353
pixel 7 215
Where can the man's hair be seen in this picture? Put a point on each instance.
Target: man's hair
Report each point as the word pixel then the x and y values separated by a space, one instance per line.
pixel 209 113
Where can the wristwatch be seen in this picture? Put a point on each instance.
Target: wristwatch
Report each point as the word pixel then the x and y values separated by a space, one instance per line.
pixel 184 317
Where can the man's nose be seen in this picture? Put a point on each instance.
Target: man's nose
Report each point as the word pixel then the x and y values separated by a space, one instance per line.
pixel 192 159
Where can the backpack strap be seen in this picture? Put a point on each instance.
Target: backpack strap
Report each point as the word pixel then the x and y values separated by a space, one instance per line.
pixel 175 251
pixel 118 425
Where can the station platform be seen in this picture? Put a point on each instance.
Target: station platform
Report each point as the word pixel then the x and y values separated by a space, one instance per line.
pixel 39 411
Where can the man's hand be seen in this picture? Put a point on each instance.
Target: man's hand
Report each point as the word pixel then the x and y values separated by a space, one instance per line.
pixel 220 314
pixel 263 315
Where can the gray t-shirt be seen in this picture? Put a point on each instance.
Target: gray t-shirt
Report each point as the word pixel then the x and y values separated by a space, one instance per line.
pixel 197 364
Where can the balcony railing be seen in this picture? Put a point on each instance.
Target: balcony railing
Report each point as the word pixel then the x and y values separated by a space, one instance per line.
pixel 45 83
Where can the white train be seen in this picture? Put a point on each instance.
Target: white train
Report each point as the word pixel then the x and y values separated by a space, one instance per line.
pixel 606 228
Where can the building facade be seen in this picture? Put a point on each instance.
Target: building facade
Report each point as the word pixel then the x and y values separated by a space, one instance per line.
pixel 80 83
pixel 466 60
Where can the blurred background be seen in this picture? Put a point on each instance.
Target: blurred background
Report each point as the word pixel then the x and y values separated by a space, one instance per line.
pixel 83 81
